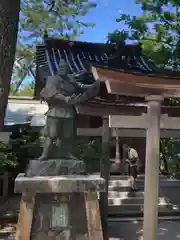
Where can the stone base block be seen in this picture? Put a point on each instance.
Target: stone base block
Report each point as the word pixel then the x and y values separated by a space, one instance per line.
pixel 58 184
pixel 62 207
pixel 55 167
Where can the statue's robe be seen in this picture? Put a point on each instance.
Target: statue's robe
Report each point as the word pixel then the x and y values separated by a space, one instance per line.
pixel 61 116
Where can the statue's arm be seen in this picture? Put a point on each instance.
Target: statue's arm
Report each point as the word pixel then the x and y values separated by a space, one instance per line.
pixel 60 96
pixel 84 86
pixel 68 99
pixel 90 92
pixel 78 84
pixel 55 96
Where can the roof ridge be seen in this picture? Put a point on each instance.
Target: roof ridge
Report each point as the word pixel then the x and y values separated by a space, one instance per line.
pixel 86 42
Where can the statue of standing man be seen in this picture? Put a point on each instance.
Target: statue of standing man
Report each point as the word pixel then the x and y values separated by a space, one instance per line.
pixel 62 92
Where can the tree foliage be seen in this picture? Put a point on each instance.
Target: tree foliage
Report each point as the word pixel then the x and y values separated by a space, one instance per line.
pixel 24 67
pixel 60 19
pixel 25 90
pixel 170 156
pixel 158 29
pixel 89 151
pixel 39 18
pixel 8 158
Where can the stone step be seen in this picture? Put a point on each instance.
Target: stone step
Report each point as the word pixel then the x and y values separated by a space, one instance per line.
pixel 138 207
pixel 125 177
pixel 140 177
pixel 124 188
pixel 137 210
pixel 139 214
pixel 115 194
pixel 123 183
pixel 117 201
pixel 126 230
pixel 118 184
pixel 140 181
pixel 135 218
pixel 138 194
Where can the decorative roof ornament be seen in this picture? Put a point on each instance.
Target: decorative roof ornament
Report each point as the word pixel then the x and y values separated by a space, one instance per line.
pixel 71 43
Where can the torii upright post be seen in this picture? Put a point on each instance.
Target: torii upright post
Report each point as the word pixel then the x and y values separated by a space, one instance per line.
pixel 157 88
pixel 152 167
pixel 104 168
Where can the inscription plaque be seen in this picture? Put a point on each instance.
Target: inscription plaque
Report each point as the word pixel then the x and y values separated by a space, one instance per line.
pixel 60 216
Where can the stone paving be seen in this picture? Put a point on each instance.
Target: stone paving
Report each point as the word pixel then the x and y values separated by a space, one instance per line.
pixel 10 208
pixel 7 231
pixel 118 231
pixel 133 230
pixel 124 230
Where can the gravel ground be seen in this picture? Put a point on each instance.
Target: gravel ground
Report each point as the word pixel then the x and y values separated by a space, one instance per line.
pixel 10 208
pixel 7 231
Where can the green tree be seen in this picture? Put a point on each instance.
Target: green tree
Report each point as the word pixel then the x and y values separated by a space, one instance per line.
pixel 24 66
pixel 158 29
pixel 8 159
pixel 27 90
pixel 40 17
pixel 60 19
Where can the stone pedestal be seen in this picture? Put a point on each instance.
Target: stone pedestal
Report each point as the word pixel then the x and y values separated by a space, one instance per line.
pixel 55 167
pixel 59 207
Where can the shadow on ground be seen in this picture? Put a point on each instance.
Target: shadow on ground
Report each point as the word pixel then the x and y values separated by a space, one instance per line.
pixel 133 230
pixel 125 230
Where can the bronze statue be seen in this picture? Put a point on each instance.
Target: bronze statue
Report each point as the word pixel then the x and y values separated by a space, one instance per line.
pixel 62 92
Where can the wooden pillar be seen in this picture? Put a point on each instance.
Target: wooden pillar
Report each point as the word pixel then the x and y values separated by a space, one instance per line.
pixel 152 167
pixel 104 168
pixel 93 216
pixel 27 203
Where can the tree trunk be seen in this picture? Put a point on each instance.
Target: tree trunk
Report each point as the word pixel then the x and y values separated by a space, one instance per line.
pixel 9 18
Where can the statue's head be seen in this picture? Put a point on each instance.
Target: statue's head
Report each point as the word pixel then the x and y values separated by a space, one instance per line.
pixel 63 68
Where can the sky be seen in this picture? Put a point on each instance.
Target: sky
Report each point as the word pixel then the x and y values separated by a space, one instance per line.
pixel 104 16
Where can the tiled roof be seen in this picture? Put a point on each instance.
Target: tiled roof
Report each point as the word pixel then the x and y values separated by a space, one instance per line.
pixel 79 54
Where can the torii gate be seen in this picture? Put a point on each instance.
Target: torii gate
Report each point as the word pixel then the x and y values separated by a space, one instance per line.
pixel 154 89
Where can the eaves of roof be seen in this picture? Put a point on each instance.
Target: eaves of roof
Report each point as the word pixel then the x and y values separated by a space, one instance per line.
pixel 80 55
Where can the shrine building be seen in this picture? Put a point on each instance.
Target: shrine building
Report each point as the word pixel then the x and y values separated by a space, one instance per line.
pixel 119 67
